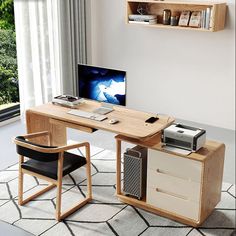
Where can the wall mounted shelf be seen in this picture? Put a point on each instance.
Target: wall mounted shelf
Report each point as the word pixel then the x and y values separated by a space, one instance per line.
pixel 217 12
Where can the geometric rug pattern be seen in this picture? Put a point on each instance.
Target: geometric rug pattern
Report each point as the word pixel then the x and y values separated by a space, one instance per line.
pixel 105 215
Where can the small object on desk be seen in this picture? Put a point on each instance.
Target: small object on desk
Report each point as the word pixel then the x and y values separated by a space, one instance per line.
pixel 151 119
pixel 176 150
pixel 67 100
pixel 185 137
pixel 113 121
pixel 103 110
pixel 85 114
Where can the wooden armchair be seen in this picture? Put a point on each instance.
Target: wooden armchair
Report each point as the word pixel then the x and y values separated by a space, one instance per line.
pixel 51 164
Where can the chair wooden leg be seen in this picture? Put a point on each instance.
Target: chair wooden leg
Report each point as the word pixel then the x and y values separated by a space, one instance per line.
pixel 20 181
pixel 22 201
pixel 60 216
pixel 44 190
pixel 59 186
pixel 75 208
pixel 88 172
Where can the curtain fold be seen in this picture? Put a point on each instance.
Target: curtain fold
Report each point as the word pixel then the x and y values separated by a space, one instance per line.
pixel 74 25
pixel 80 37
pixel 51 40
pixel 36 52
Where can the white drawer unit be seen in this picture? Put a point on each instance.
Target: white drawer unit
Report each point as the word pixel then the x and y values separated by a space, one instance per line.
pixel 173 183
pixel 174 204
pixel 186 189
pixel 182 188
pixel 174 165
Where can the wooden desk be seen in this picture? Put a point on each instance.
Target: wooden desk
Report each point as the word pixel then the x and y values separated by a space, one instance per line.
pixel 55 119
pixel 191 209
pixel 131 124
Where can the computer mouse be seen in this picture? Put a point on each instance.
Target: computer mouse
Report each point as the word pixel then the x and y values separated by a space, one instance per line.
pixel 113 121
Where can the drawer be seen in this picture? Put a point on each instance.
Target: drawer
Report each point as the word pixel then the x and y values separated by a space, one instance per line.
pixel 173 204
pixel 174 165
pixel 178 186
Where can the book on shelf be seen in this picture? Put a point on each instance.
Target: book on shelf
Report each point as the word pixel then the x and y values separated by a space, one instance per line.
pixel 211 19
pixel 184 18
pixel 147 22
pixel 195 19
pixel 203 18
pixel 206 18
pixel 141 17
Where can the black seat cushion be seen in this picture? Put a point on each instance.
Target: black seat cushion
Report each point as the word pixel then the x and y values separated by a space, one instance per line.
pixel 40 156
pixel 49 169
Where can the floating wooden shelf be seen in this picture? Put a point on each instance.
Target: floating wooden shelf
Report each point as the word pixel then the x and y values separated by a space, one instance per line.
pixel 156 8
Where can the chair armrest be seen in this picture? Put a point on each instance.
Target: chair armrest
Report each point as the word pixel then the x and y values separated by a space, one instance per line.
pixel 35 135
pixel 50 149
pixel 35 147
pixel 29 136
pixel 71 146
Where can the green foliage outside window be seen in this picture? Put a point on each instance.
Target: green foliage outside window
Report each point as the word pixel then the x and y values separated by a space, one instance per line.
pixel 8 64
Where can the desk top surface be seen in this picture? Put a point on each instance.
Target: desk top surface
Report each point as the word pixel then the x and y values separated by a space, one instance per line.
pixel 131 122
pixel 207 151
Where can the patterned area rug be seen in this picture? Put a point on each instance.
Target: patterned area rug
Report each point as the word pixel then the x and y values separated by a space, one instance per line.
pixel 105 215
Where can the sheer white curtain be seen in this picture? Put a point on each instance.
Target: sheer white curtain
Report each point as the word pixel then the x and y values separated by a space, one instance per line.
pixel 46 38
pixel 38 55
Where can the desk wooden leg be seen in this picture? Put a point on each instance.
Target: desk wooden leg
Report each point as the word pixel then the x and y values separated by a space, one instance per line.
pixel 58 133
pixel 118 167
pixel 37 123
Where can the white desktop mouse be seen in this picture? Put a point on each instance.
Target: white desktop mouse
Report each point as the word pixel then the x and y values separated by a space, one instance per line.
pixel 113 121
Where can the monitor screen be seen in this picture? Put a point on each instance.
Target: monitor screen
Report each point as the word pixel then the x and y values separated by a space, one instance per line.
pixel 102 84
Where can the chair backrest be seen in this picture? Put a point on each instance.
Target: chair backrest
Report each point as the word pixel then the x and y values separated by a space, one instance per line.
pixel 30 153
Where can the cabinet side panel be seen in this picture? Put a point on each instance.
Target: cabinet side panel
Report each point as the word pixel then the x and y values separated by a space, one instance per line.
pixel 219 17
pixel 212 182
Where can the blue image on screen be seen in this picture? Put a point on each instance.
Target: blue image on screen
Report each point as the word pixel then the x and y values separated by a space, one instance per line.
pixel 103 85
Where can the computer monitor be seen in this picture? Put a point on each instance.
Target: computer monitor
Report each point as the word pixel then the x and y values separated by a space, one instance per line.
pixel 102 84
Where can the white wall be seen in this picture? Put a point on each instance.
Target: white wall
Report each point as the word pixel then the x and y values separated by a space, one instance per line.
pixel 187 74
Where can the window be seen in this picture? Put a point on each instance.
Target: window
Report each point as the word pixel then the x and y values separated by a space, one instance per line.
pixel 9 92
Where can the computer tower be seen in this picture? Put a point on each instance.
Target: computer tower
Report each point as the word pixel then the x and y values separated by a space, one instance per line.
pixel 135 172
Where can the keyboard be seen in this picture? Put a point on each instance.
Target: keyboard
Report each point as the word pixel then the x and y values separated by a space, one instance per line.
pixel 85 114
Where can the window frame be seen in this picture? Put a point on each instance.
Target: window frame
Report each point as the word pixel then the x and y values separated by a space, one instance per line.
pixel 10 112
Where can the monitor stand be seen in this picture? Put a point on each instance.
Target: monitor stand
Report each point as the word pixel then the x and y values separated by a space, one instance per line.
pixel 104 108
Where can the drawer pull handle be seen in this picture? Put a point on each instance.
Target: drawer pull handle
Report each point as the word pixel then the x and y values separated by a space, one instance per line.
pixel 172 194
pixel 171 174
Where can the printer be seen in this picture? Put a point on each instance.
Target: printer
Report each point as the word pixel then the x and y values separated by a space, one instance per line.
pixel 183 136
